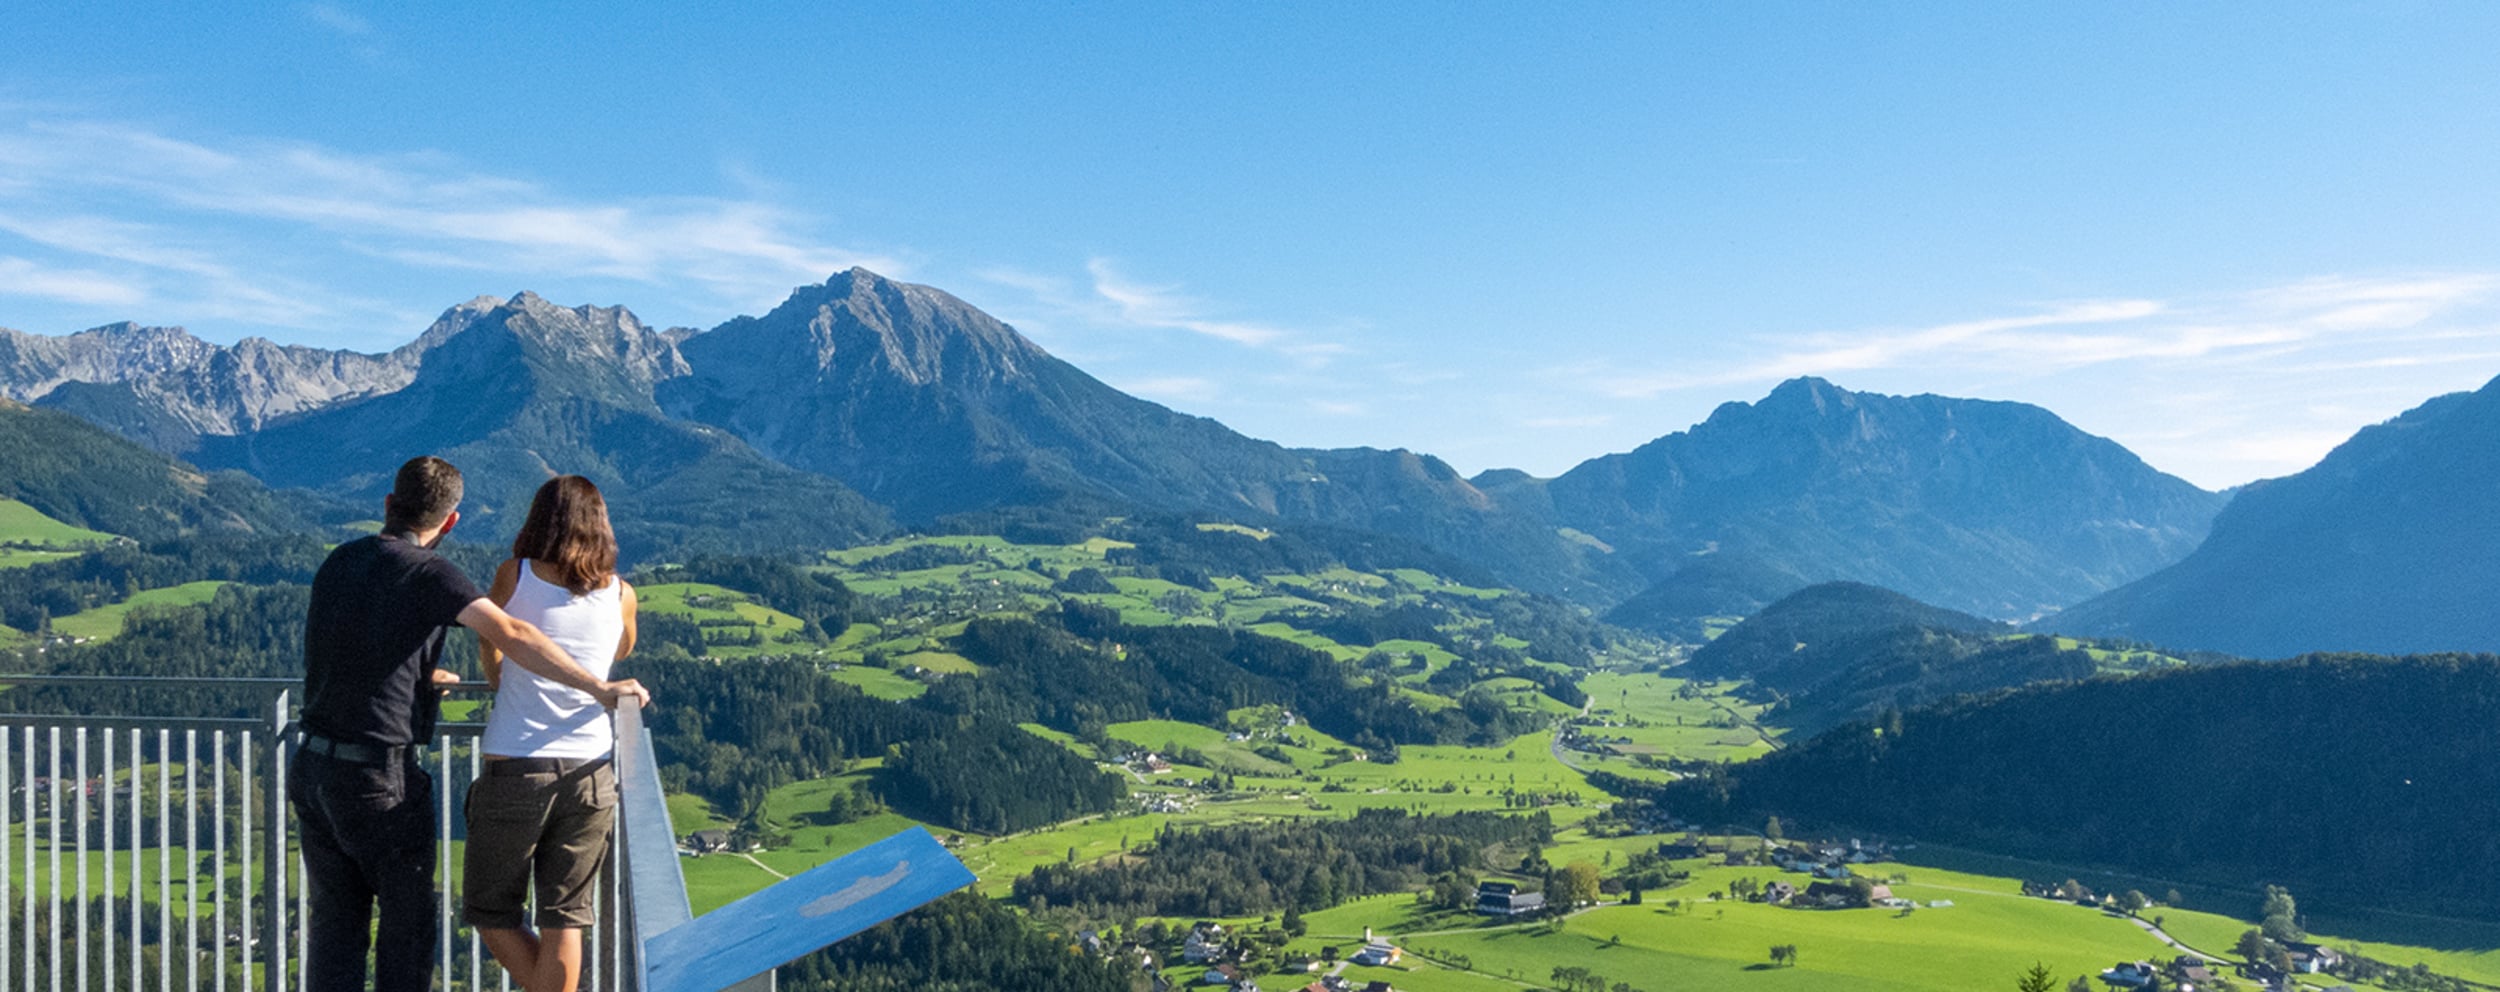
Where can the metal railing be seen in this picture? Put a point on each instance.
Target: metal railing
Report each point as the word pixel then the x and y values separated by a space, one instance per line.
pixel 128 844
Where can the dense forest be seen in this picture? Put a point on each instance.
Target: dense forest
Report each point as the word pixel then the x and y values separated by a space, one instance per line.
pixel 241 632
pixel 107 575
pixel 732 732
pixel 1263 868
pixel 961 943
pixel 2345 776
pixel 1862 677
pixel 1812 616
pixel 1079 668
pixel 81 474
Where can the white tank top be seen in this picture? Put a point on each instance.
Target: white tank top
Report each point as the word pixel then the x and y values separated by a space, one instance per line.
pixel 535 718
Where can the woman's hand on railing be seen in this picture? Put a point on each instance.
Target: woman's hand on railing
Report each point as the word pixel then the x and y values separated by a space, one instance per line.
pixel 610 693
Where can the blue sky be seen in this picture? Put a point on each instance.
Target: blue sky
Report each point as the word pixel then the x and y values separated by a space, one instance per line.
pixel 1515 235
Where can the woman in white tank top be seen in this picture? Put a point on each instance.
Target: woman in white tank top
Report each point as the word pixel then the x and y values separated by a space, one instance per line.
pixel 544 804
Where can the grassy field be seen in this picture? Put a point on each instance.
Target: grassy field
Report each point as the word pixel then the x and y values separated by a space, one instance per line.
pixel 878 682
pixel 105 622
pixel 27 537
pixel 1668 718
pixel 1982 942
pixel 21 557
pixel 23 524
pixel 702 602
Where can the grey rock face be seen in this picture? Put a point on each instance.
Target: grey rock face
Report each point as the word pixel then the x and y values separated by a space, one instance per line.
pixel 166 389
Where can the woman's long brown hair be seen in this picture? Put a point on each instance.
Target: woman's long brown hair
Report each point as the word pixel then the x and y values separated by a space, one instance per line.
pixel 568 528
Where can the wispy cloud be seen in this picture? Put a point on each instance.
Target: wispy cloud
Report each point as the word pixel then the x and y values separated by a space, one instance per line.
pixel 336 18
pixel 20 277
pixel 2221 387
pixel 1164 306
pixel 353 29
pixel 2267 325
pixel 1109 298
pixel 1175 387
pixel 1556 423
pixel 77 184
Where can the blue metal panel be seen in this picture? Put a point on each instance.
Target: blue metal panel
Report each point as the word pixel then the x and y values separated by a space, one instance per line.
pixel 796 917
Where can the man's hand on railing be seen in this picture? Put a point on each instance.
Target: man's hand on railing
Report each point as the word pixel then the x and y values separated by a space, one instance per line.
pixel 611 692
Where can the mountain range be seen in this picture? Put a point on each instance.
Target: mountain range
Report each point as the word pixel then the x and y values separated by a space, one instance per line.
pixel 864 404
pixel 2390 544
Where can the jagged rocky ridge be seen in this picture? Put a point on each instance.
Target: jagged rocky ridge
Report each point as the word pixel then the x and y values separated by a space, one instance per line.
pixel 929 407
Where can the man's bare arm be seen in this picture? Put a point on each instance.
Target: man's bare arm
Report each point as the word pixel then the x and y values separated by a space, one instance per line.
pixel 529 648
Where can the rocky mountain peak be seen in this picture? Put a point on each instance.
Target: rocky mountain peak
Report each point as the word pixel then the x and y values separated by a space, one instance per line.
pixel 859 321
pixel 530 343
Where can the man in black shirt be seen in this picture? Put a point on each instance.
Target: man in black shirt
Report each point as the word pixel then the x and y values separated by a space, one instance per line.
pixel 364 802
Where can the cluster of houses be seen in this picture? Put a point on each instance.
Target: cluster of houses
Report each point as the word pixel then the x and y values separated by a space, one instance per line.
pixel 2186 974
pixel 1835 856
pixel 2189 973
pixel 1339 983
pixel 1207 945
pixel 1505 899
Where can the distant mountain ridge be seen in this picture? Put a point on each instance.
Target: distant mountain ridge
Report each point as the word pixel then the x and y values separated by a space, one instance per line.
pixel 526 389
pixel 2390 544
pixel 864 386
pixel 165 388
pixel 1989 507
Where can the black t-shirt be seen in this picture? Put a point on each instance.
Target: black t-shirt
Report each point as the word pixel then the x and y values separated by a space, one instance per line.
pixel 374 635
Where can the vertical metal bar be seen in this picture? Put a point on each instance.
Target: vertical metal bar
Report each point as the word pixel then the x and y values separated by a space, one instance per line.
pixel 273 851
pixel 30 859
pixel 8 947
pixel 190 859
pixel 111 771
pixel 217 876
pixel 243 855
pixel 303 928
pixel 80 908
pixel 138 877
pixel 477 950
pixel 52 797
pixel 442 856
pixel 164 860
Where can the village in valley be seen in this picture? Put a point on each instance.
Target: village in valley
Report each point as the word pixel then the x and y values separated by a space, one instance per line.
pixel 1627 897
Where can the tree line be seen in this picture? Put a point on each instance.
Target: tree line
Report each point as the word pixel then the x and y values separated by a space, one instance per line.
pixel 1079 669
pixel 2235 773
pixel 1299 865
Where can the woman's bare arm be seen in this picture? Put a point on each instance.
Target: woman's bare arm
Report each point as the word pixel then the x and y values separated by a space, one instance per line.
pixel 490 659
pixel 625 644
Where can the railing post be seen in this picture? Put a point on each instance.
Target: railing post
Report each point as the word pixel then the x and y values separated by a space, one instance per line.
pixel 273 854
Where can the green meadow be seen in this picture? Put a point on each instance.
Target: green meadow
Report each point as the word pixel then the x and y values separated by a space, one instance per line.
pixel 702 602
pixel 105 622
pixel 25 525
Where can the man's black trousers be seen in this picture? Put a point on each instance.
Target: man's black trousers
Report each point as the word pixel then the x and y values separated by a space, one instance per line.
pixel 368 840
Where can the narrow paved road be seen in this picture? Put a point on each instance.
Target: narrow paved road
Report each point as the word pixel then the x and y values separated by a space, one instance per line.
pixel 768 869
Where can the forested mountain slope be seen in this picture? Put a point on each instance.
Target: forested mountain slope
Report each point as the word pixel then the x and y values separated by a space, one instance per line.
pixel 2391 543
pixel 2363 778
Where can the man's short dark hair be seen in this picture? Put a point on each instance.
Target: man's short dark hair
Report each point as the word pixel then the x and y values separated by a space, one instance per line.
pixel 427 490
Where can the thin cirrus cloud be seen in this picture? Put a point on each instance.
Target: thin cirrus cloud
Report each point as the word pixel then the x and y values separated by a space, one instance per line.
pixel 2221 388
pixel 2268 326
pixel 76 186
pixel 1109 298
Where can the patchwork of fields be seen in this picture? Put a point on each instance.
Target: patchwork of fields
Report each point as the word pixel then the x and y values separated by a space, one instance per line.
pixel 1264 767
